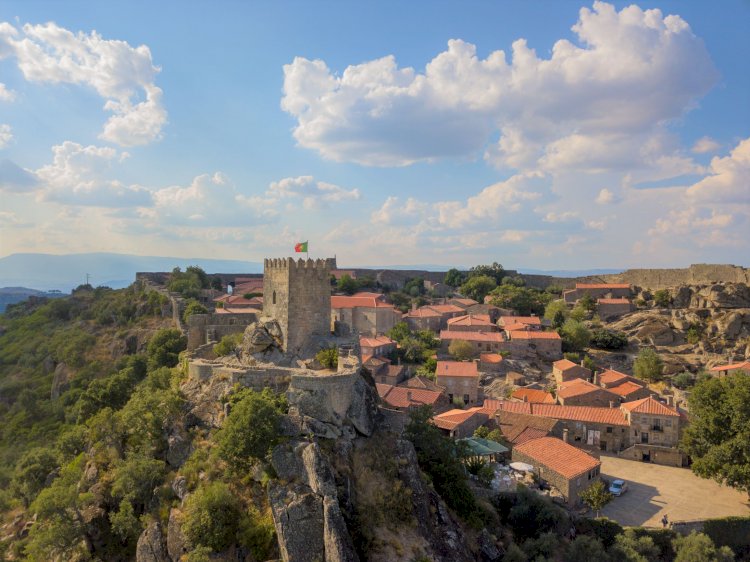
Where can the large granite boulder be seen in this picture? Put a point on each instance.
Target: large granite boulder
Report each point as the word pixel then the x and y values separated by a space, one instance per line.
pixel 60 380
pixel 177 542
pixel 152 547
pixel 298 517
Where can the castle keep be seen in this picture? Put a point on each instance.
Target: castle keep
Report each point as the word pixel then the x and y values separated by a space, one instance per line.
pixel 297 294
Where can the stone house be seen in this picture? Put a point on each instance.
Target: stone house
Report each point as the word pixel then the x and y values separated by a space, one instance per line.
pixel 424 318
pixel 535 395
pixel 547 345
pixel 383 371
pixel 482 342
pixel 565 370
pixel 460 423
pixel 597 291
pixel 628 388
pixel 462 303
pixel 211 327
pixel 654 431
pixel 579 392
pixel 519 428
pixel 460 379
pixel 472 323
pixel 723 370
pixel 376 346
pixel 515 322
pixel 565 467
pixel 366 315
pixel 612 308
pixel 490 362
pixel 238 302
pixel 512 377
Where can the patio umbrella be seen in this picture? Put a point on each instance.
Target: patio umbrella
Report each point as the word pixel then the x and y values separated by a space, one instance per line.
pixel 522 467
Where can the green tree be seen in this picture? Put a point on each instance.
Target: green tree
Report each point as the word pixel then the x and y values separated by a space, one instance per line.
pixel 602 338
pixel 585 547
pixel 521 299
pixel 477 287
pixel 496 271
pixel 697 547
pixel 347 285
pixel 662 298
pixel 461 350
pixel 556 312
pixel 683 380
pixel 587 302
pixel 164 348
pixel 717 438
pixel 32 470
pixel 412 350
pixel 399 332
pixel 328 357
pixel 250 430
pixel 648 365
pixel 596 496
pixel 454 278
pixel 217 284
pixel 135 478
pixel 193 307
pixel 228 344
pixel 629 547
pixel 575 335
pixel 124 522
pixel 212 516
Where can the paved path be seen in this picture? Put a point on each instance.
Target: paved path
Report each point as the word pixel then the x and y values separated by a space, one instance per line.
pixel 654 490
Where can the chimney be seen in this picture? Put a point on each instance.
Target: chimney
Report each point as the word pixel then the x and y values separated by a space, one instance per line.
pixel 595 378
pixel 565 435
pixel 525 397
pixel 581 362
pixel 408 396
pixel 413 306
pixel 611 404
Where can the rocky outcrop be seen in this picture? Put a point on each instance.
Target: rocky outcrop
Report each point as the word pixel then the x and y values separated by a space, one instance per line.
pixel 61 380
pixel 179 446
pixel 261 336
pixel 152 546
pixel 306 513
pixel 177 542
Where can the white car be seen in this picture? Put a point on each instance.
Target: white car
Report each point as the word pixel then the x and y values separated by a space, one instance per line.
pixel 618 487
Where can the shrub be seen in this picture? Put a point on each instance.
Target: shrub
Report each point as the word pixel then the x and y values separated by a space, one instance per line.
pixel 733 532
pixel 608 339
pixel 193 307
pixel 575 335
pixel 212 516
pixel 164 348
pixel 31 473
pixel 683 380
pixel 228 344
pixel 662 298
pixel 328 357
pixel 461 350
pixel 648 365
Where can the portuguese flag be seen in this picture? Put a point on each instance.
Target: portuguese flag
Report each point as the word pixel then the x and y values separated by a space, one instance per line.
pixel 300 247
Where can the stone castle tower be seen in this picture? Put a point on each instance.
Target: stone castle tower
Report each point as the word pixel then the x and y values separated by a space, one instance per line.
pixel 297 294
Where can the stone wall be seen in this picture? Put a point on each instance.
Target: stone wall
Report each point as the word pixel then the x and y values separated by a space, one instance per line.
pixel 697 274
pixel 205 328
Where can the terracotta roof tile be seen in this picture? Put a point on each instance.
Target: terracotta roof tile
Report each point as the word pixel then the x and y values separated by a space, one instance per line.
pixel 472 336
pixel 456 369
pixel 609 416
pixel 651 406
pixel 530 320
pixel 602 286
pixel 611 376
pixel 453 418
pixel 446 308
pixel 745 366
pixel 422 382
pixel 376 341
pixel 524 335
pixel 561 457
pixel 528 434
pixel 470 320
pixel 424 312
pixel 564 364
pixel 533 395
pixel 466 302
pixel 490 357
pixel 577 387
pixel 625 388
pixel 340 301
pixel 401 397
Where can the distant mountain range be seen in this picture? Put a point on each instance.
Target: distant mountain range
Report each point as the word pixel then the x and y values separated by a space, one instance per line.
pixel 65 272
pixel 12 295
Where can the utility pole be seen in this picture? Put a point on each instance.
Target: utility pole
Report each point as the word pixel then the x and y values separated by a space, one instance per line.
pixel 88 277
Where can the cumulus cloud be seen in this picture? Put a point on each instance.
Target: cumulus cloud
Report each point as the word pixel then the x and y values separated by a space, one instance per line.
pixel 729 179
pixel 394 211
pixel 605 197
pixel 629 73
pixel 121 74
pixel 314 193
pixel 6 135
pixel 78 176
pixel 5 93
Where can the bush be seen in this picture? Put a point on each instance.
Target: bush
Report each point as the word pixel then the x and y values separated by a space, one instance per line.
pixel 193 307
pixel 250 430
pixel 733 532
pixel 32 471
pixel 662 298
pixel 164 348
pixel 212 517
pixel 648 365
pixel 683 380
pixel 575 336
pixel 608 339
pixel 461 350
pixel 328 357
pixel 697 546
pixel 228 344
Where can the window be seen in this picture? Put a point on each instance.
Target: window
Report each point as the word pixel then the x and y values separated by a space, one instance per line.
pixel 609 430
pixel 450 397
pixel 644 437
pixel 466 398
pixel 668 423
pixel 274 297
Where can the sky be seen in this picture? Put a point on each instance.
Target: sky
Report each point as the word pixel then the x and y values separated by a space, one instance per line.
pixel 538 134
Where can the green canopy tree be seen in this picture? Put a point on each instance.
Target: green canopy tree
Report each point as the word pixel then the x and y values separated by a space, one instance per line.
pixel 648 365
pixel 596 496
pixel 478 287
pixel 698 547
pixel 718 437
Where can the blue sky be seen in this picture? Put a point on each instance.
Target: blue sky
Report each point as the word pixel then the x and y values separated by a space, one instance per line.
pixel 603 135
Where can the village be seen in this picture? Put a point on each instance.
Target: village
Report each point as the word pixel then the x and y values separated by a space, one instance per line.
pixel 497 381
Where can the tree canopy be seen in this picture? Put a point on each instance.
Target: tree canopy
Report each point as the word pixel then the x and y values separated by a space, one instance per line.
pixel 648 365
pixel 478 286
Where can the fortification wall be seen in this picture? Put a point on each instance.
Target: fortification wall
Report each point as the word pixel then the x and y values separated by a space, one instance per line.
pixel 203 328
pixel 696 274
pixel 335 389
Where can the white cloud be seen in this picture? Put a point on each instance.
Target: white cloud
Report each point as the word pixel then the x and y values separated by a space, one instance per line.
pixel 6 135
pixel 78 176
pixel 314 193
pixel 605 197
pixel 704 145
pixel 393 211
pixel 565 216
pixel 729 179
pixel 5 93
pixel 121 74
pixel 630 73
pixel 11 219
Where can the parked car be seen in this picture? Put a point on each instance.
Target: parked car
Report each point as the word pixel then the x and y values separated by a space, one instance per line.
pixel 618 487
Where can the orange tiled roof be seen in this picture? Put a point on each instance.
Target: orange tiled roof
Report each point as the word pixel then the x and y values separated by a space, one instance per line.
pixel 650 406
pixel 611 376
pixel 446 308
pixel 533 395
pixel 453 418
pixel 625 388
pixel 470 320
pixel 490 357
pixel 602 286
pixel 609 416
pixel 466 302
pixel 745 366
pixel 471 336
pixel 377 341
pixel 564 364
pixel 234 310
pixel 577 387
pixel 530 320
pixel 369 295
pixel 456 369
pixel 516 327
pixel 555 454
pixel 340 301
pixel 422 382
pixel 528 434
pixel 613 301
pixel 401 397
pixel 528 335
pixel 491 404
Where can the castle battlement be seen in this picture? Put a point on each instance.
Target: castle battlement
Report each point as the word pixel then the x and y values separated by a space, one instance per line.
pixel 300 265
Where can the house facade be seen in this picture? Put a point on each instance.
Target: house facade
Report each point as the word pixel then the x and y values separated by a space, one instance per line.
pixel 460 379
